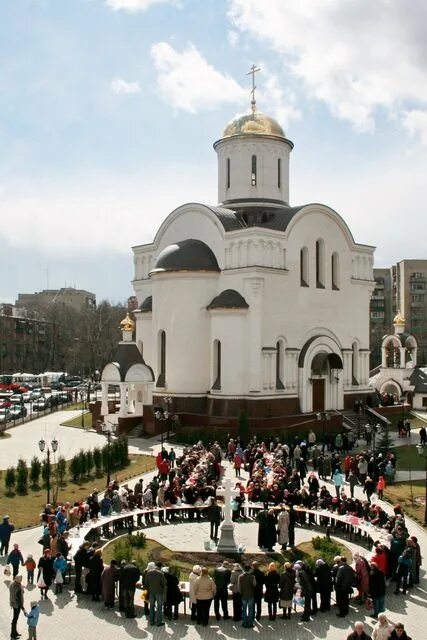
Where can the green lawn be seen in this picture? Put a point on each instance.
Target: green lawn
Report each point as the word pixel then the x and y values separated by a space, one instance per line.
pixel 410 495
pixel 77 421
pixel 24 510
pixel 408 458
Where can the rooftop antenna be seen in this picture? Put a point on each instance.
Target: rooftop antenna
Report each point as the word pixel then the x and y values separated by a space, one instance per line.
pixel 252 72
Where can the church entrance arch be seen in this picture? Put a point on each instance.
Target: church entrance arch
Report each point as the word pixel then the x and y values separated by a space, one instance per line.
pixel 320 375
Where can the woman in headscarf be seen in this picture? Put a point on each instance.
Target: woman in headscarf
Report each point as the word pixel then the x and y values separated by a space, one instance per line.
pixel 382 629
pixel 271 596
pixel 194 574
pixel 46 573
pixel 362 569
pixel 286 587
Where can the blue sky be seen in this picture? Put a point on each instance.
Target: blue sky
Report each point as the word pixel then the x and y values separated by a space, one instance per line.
pixel 109 109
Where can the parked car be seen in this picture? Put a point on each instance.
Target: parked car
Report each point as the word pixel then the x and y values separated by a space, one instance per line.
pixel 40 405
pixel 26 397
pixel 18 411
pixel 16 398
pixel 36 394
pixel 5 416
pixel 5 404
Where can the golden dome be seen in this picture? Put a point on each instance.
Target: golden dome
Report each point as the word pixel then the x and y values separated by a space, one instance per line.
pixel 253 123
pixel 399 320
pixel 127 324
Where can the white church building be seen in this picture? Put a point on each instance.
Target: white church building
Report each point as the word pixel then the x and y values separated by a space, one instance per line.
pixel 253 303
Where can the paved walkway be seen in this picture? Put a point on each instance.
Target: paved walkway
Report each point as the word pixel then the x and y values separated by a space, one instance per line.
pixel 72 618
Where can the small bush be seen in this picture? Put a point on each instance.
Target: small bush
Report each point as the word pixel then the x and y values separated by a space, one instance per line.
pixel 74 468
pixel 139 540
pixel 61 470
pixel 22 477
pixel 10 479
pixel 327 549
pixel 35 471
pixel 97 460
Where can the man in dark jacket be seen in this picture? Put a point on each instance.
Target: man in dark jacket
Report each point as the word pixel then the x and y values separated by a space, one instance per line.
pixel 221 577
pixel 213 513
pixel 129 576
pixel 260 578
pixel 247 584
pixel 16 597
pixel 307 589
pixel 359 632
pixel 81 559
pixel 343 586
pixel 377 588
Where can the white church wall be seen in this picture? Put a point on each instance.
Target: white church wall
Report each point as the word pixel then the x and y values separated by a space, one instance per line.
pixel 230 328
pixel 180 310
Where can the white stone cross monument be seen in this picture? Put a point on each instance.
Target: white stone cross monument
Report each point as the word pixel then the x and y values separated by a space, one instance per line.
pixel 227 543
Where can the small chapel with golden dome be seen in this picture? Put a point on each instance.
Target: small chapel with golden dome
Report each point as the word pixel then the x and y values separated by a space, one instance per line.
pixel 254 303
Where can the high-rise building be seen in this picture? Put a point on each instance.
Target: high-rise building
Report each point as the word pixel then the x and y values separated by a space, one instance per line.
pixel 67 296
pixel 24 345
pixel 401 287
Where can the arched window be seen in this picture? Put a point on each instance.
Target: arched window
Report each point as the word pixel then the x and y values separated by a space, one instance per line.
pixel 279 173
pixel 216 365
pixel 279 365
pixel 228 173
pixel 355 364
pixel 253 171
pixel 335 271
pixel 304 267
pixel 161 380
pixel 320 264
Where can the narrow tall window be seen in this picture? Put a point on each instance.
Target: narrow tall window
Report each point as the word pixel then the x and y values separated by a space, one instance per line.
pixel 216 365
pixel 279 173
pixel 355 364
pixel 279 365
pixel 253 171
pixel 335 271
pixel 161 380
pixel 304 267
pixel 228 173
pixel 320 264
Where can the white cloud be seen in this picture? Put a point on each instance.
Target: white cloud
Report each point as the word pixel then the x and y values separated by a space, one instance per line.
pixel 355 57
pixel 187 81
pixel 279 101
pixel 233 37
pixel 120 86
pixel 132 6
pixel 415 122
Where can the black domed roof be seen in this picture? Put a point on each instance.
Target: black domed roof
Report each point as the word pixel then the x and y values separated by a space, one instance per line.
pixel 146 305
pixel 228 299
pixel 186 255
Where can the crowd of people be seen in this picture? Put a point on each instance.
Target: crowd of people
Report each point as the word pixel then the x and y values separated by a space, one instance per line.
pixel 278 485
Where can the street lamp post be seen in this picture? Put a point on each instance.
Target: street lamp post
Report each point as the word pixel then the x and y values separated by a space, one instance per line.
pixel 82 401
pixel 323 416
pixel 42 447
pixel 422 451
pixel 108 430
pixel 163 415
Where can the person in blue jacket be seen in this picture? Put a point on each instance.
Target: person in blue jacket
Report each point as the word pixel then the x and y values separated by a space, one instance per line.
pixel 15 559
pixel 60 566
pixel 32 620
pixel 404 565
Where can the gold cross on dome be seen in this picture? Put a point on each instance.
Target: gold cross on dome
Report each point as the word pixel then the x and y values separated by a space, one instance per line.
pixel 252 72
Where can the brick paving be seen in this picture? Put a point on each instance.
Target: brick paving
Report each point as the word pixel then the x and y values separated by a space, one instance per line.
pixel 76 618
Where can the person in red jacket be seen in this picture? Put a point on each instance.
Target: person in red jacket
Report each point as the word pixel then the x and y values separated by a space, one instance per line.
pixel 164 469
pixel 380 487
pixel 380 559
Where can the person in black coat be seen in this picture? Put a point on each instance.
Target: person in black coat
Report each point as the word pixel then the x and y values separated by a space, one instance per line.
pixel 292 523
pixel 173 595
pixel 81 559
pixel 271 596
pixel 324 584
pixel 46 571
pixel 221 578
pixel 262 528
pixel 377 588
pixel 259 577
pixel 96 567
pixel 307 589
pixel 214 513
pixel 286 590
pixel 270 530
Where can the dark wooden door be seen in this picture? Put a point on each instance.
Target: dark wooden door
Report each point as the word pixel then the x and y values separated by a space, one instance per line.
pixel 318 394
